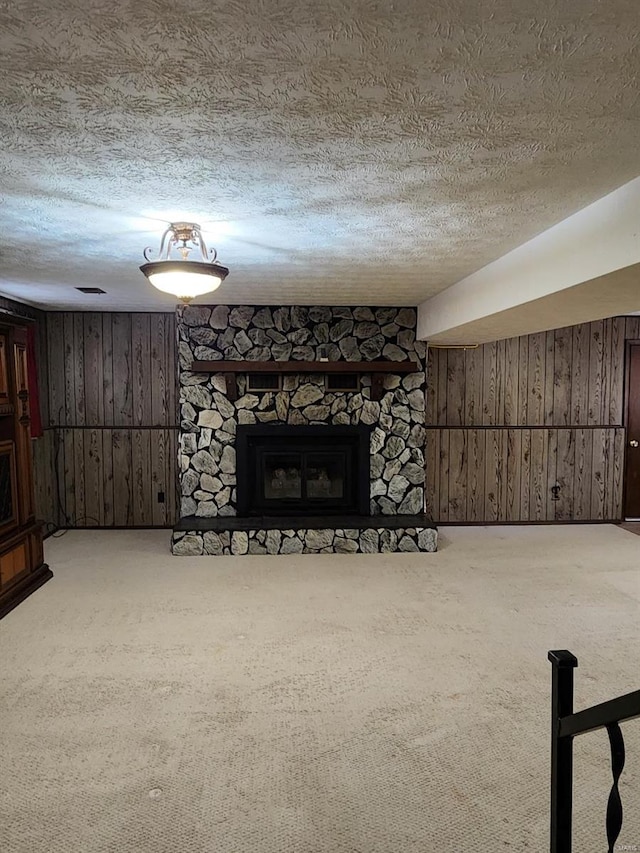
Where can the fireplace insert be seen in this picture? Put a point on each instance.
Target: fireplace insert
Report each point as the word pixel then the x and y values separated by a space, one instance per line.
pixel 302 470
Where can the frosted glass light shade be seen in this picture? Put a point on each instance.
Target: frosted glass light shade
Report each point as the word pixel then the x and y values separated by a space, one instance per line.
pixel 185 279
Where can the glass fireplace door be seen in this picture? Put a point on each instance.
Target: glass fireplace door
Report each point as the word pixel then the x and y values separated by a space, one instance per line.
pixel 304 479
pixel 315 470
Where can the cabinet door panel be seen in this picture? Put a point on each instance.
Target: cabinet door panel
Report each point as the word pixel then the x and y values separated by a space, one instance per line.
pixel 13 563
pixel 4 378
pixel 23 435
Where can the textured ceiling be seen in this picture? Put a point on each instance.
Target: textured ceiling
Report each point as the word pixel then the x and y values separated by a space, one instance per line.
pixel 334 151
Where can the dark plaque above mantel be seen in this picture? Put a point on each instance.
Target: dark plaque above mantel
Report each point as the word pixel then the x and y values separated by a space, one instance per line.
pixel 377 369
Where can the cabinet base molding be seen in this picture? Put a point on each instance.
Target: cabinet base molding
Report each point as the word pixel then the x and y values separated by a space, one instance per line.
pixel 21 590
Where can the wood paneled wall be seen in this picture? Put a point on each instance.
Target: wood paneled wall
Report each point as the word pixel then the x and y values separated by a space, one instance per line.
pixel 112 417
pixel 529 428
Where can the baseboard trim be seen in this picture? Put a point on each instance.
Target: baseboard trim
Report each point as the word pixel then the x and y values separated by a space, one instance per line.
pixel 527 523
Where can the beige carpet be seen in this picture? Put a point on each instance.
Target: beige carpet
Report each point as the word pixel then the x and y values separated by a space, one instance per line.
pixel 317 704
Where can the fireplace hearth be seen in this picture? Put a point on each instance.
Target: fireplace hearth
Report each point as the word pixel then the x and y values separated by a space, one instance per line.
pixel 286 470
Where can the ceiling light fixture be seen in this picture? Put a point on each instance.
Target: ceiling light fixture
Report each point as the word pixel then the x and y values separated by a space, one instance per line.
pixel 181 277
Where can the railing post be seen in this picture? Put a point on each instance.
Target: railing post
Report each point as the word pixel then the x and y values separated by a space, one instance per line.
pixel 563 663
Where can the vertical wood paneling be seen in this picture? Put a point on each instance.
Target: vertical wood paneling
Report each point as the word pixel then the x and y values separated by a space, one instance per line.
pixel 606 369
pixel 78 371
pixel 565 466
pixel 45 500
pixel 455 387
pixel 476 480
pixel 171 372
pixel 457 475
pixel 141 346
pixel 79 480
pixel 552 472
pixel 93 369
pixel 535 379
pixel 55 384
pixel 632 328
pixel 565 387
pixel 160 461
pixel 489 384
pixel 561 404
pixel 443 514
pixel 500 380
pixel 442 372
pixel 69 359
pixel 616 393
pixel 494 495
pixel 158 335
pixel 616 478
pixel 42 367
pixel 70 508
pixel 580 375
pixel 143 490
pixel 118 370
pixel 525 475
pixel 93 476
pixel 473 386
pixel 108 475
pixel 538 475
pixel 172 478
pixel 432 472
pixel 549 377
pixel 594 387
pixel 511 383
pixel 122 370
pixel 599 455
pixel 523 376
pixel 122 478
pixel 105 371
pixel 582 474
pixel 512 475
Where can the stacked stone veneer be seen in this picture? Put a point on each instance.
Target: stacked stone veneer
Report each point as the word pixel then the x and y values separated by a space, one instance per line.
pixel 371 540
pixel 209 419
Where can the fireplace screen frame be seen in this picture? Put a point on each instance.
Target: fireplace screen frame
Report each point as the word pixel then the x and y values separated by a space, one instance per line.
pixel 256 442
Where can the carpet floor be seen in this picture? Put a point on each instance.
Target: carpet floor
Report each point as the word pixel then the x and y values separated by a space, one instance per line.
pixel 316 704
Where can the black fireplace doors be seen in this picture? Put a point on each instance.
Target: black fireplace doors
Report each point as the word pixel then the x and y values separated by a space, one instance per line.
pixel 302 470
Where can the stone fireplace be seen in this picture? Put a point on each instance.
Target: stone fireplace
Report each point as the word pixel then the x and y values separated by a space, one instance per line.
pixel 301 460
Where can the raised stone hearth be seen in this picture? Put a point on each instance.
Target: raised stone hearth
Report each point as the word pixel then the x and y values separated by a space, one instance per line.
pixel 210 420
pixel 258 536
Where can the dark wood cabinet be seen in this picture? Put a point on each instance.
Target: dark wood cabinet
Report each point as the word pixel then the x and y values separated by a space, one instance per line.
pixel 22 566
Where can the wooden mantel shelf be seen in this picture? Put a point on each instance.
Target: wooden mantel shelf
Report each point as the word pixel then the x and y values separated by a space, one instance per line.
pixel 376 368
pixel 305 367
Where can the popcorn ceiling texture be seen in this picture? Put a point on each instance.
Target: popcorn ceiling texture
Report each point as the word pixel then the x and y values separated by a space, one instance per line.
pixel 367 153
pixel 209 419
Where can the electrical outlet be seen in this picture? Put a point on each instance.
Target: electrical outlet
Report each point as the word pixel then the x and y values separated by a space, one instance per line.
pixel 160 497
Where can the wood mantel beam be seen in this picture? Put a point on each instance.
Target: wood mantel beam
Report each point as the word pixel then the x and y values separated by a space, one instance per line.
pixel 305 367
pixel 377 369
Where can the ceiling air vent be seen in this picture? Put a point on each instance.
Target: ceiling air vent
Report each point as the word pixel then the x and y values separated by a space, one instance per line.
pixel 90 290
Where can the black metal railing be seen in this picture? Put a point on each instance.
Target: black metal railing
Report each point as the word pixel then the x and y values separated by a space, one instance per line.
pixel 565 725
